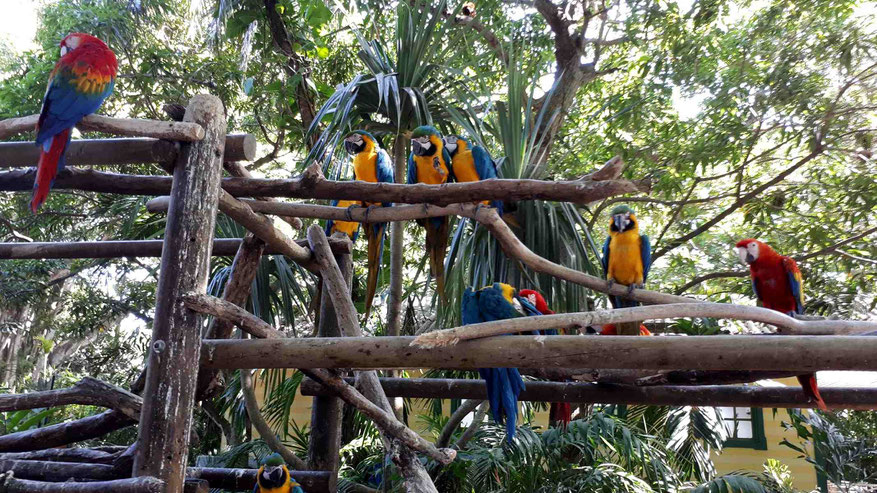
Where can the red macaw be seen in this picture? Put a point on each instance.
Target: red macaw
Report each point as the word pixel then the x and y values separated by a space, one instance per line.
pixel 610 330
pixel 778 284
pixel 558 412
pixel 79 84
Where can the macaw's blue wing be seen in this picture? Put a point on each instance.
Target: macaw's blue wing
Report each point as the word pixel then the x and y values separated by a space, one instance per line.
pixel 504 385
pixel 605 260
pixel 795 283
pixel 256 488
pixel 412 170
pixel 64 104
pixel 646 253
pixel 384 170
pixel 531 311
pixel 486 170
pixel 295 487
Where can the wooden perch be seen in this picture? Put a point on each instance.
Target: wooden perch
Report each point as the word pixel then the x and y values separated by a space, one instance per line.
pixel 58 471
pixel 88 391
pixel 61 434
pixel 239 170
pixel 449 337
pixel 112 152
pixel 144 484
pixel 86 455
pixel 245 479
pixel 182 131
pixel 763 352
pixel 308 187
pixel 230 312
pixel 130 248
pixel 668 395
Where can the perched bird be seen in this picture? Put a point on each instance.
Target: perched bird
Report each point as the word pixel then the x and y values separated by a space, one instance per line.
pixel 558 412
pixel 79 84
pixel 778 285
pixel 371 164
pixel 627 255
pixel 471 163
pixel 350 228
pixel 504 385
pixel 273 477
pixel 430 163
pixel 610 330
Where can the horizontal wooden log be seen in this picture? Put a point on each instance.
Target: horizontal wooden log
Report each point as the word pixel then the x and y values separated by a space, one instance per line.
pixel 707 395
pixel 145 484
pixel 65 433
pixel 182 131
pixel 114 152
pixel 770 352
pixel 496 189
pixel 245 479
pixel 86 455
pixel 229 479
pixel 88 391
pixel 222 247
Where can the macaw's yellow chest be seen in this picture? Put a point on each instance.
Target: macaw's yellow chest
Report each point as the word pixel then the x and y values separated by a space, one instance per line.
pixel 625 258
pixel 432 170
pixel 365 166
pixel 347 227
pixel 283 489
pixel 464 167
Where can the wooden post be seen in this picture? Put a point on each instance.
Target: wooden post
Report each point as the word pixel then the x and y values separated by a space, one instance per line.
pixel 326 411
pixel 171 375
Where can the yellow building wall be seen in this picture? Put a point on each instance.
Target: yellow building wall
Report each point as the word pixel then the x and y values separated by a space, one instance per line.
pixel 731 459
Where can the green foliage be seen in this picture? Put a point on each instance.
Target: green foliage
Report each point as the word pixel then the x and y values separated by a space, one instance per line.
pixel 731 483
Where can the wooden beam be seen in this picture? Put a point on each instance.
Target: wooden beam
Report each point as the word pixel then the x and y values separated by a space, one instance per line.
pixel 324 444
pixel 786 353
pixel 675 395
pixel 61 434
pixel 86 455
pixel 131 248
pixel 171 377
pixel 58 471
pixel 144 484
pixel 182 131
pixel 319 188
pixel 114 152
pixel 88 391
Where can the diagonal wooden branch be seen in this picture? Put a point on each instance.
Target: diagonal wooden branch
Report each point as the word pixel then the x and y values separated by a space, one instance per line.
pixel 454 421
pixel 88 391
pixel 182 131
pixel 265 431
pixel 231 313
pixel 345 391
pixel 65 433
pixel 787 324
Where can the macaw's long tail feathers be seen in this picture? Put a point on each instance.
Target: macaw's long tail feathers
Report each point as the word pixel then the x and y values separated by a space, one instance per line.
pixel 375 236
pixel 51 162
pixel 811 390
pixel 504 385
pixel 560 412
pixel 437 246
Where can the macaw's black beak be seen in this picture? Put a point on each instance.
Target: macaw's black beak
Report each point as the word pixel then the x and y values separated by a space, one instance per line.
pixel 353 148
pixel 276 474
pixel 417 148
pixel 749 258
pixel 618 219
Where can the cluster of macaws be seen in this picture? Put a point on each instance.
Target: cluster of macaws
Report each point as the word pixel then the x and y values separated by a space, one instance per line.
pixel 85 76
pixel 434 160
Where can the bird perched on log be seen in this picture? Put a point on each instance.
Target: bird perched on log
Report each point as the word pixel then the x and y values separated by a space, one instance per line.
pixel 504 385
pixel 371 164
pixel 558 412
pixel 627 256
pixel 471 163
pixel 610 330
pixel 80 82
pixel 430 163
pixel 350 228
pixel 779 286
pixel 274 477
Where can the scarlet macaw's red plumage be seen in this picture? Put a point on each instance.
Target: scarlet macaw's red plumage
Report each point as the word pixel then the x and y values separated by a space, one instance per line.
pixel 779 286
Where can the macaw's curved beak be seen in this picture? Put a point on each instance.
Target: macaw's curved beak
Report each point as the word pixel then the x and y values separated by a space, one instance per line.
pixel 619 220
pixel 421 147
pixel 745 256
pixel 353 147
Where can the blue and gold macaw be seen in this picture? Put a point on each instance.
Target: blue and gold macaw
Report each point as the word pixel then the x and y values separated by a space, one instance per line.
pixel 627 255
pixel 350 228
pixel 504 385
pixel 471 163
pixel 430 163
pixel 274 477
pixel 371 164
